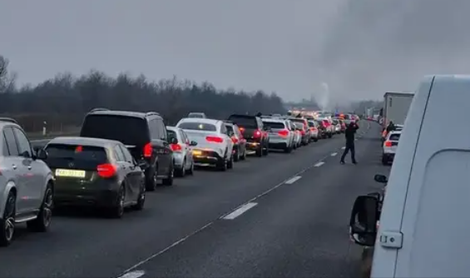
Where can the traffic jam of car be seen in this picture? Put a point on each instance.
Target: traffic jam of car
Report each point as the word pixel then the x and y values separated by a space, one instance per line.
pixel 121 155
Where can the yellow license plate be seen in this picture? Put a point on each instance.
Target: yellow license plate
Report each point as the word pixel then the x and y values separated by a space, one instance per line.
pixel 70 173
pixel 197 152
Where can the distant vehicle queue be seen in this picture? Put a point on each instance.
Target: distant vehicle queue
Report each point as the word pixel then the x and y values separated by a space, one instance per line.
pixel 120 155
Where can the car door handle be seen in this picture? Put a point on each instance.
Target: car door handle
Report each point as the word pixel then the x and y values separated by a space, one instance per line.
pixel 13 166
pixel 29 167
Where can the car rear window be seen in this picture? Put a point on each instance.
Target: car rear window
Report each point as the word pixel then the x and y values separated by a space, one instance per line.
pixel 299 125
pixel 229 128
pixel 197 126
pixel 311 124
pixel 274 125
pixel 394 137
pixel 244 121
pixel 75 156
pixel 171 134
pixel 128 130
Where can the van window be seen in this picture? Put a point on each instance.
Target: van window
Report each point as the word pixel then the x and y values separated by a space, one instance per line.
pixel 24 148
pixel 197 126
pixel 153 127
pixel 128 130
pixel 394 137
pixel 161 129
pixel 75 156
pixel 171 135
pixel 11 141
pixel 274 125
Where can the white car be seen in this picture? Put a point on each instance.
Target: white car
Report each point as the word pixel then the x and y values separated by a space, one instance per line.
pixel 312 124
pixel 199 115
pixel 280 137
pixel 390 147
pixel 182 151
pixel 214 146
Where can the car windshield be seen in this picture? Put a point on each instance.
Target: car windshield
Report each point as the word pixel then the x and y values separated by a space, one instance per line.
pixel 197 126
pixel 128 130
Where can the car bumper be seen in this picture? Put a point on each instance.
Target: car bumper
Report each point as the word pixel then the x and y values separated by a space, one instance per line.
pixel 252 145
pixel 388 156
pixel 178 159
pixel 206 157
pixel 93 198
pixel 278 143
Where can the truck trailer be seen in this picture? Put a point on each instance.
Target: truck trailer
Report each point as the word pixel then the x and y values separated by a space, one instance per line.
pixel 396 106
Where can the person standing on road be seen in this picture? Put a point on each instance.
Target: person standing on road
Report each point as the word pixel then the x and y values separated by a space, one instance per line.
pixel 350 137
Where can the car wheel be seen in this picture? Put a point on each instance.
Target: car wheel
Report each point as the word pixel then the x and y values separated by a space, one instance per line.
pixel 168 181
pixel 266 150
pixel 237 155
pixel 140 199
pixel 384 160
pixel 243 157
pixel 151 180
pixel 222 164
pixel 180 172
pixel 230 162
pixel 288 149
pixel 191 169
pixel 330 135
pixel 315 139
pixel 7 223
pixel 117 210
pixel 44 218
pixel 259 151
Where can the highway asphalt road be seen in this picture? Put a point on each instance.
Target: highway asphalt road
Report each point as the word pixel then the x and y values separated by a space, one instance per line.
pixel 292 223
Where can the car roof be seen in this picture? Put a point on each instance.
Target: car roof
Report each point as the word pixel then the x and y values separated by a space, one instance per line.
pixel 273 120
pixel 88 141
pixel 6 123
pixel 174 128
pixel 200 120
pixel 141 115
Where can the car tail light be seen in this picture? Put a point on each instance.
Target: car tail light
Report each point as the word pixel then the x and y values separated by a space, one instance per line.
pixel 257 134
pixel 107 170
pixel 283 132
pixel 302 132
pixel 388 143
pixel 313 129
pixel 234 139
pixel 214 139
pixel 176 147
pixel 241 129
pixel 148 150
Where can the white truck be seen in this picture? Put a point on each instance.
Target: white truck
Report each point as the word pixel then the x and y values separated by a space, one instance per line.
pixel 396 106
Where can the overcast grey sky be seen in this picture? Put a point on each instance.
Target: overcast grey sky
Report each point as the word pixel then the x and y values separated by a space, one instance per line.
pixel 287 46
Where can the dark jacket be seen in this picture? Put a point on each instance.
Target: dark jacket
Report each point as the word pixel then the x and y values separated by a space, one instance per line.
pixel 391 127
pixel 350 133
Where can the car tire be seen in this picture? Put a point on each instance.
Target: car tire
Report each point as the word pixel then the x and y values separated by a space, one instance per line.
pixel 230 162
pixel 168 181
pixel 243 157
pixel 330 135
pixel 117 209
pixel 288 149
pixel 222 164
pixel 7 223
pixel 140 199
pixel 237 155
pixel 151 180
pixel 181 172
pixel 191 169
pixel 315 139
pixel 44 218
pixel 259 151
pixel 384 160
pixel 266 150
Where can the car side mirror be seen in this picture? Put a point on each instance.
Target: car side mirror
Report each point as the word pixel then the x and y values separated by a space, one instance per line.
pixel 363 221
pixel 41 154
pixel 193 143
pixel 380 178
pixel 173 140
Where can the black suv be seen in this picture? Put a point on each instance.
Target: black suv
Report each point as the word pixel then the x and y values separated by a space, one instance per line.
pixel 253 130
pixel 144 134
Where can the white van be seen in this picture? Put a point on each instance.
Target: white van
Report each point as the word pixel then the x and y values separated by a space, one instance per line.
pixel 424 220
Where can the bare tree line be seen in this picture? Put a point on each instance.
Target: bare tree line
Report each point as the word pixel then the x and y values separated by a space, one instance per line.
pixel 62 101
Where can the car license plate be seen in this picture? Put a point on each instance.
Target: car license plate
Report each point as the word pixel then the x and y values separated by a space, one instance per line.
pixel 70 173
pixel 195 152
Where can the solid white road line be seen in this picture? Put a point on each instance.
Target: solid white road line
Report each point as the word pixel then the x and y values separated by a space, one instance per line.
pixel 133 274
pixel 292 180
pixel 343 148
pixel 239 211
pixel 334 154
pixel 319 164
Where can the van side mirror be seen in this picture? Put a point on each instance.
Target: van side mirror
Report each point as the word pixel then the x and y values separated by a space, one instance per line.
pixel 363 221
pixel 380 178
pixel 41 154
pixel 193 143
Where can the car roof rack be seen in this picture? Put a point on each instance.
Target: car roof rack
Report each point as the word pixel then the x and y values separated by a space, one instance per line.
pixel 98 109
pixel 151 113
pixel 6 119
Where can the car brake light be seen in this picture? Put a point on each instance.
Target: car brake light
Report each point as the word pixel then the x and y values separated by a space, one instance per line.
pixel 388 144
pixel 302 132
pixel 148 150
pixel 241 129
pixel 313 129
pixel 214 139
pixel 176 147
pixel 283 132
pixel 234 140
pixel 107 170
pixel 257 133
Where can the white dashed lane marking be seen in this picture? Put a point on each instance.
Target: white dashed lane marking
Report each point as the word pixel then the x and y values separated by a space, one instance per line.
pixel 319 164
pixel 343 148
pixel 293 179
pixel 239 211
pixel 334 154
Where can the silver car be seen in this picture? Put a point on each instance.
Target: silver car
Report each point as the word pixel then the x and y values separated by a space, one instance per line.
pixel 26 184
pixel 182 151
pixel 280 137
